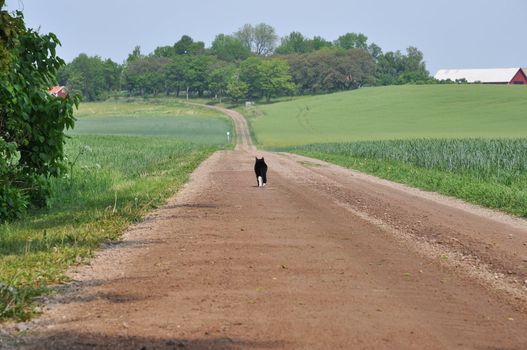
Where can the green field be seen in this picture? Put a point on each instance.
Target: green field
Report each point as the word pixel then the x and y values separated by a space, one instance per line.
pixel 159 118
pixel 394 112
pixel 467 141
pixel 193 129
pixel 113 180
pixel 142 107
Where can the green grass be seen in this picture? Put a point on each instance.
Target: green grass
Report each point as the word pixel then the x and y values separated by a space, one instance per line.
pixel 394 112
pixel 114 184
pixel 153 117
pixel 466 141
pixel 114 181
pixel 492 173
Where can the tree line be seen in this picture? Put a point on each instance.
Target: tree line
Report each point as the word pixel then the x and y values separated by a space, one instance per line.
pixel 252 63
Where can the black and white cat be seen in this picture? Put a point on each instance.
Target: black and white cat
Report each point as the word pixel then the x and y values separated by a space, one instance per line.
pixel 260 168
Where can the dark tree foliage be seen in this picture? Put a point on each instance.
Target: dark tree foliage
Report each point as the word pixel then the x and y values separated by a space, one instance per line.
pixel 332 70
pixel 32 122
pixel 186 45
pixel 145 75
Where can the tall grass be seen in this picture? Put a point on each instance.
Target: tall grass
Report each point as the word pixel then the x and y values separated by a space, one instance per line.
pixel 490 172
pixel 114 181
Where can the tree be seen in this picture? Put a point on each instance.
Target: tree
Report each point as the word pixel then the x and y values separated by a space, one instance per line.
pixel 293 43
pixel 186 45
pixel 250 73
pixel 135 55
pixel 174 73
pixel 330 70
pixel 318 43
pixel 236 88
pixel 265 39
pixel 183 45
pixel 198 79
pixel 32 122
pixel 84 75
pixel 246 36
pixel 146 76
pixel 303 73
pixel 414 67
pixel 275 78
pixel 164 51
pixel 229 48
pixel 375 51
pixel 92 77
pixel 297 43
pixel 112 75
pixel 352 40
pixel 260 39
pixel 395 68
pixel 266 77
pixel 219 80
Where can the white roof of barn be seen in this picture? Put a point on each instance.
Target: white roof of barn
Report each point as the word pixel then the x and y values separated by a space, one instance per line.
pixel 491 75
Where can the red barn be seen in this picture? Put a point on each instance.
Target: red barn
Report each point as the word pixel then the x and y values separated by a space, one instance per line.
pixel 520 77
pixel 58 91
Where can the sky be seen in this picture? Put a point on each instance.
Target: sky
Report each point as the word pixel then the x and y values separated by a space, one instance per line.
pixel 450 33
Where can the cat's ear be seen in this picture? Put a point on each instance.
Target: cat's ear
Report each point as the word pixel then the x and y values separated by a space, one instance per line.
pixel 255 157
pixel 262 158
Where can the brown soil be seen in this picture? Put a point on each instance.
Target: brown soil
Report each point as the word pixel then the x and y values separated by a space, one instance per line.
pixel 321 258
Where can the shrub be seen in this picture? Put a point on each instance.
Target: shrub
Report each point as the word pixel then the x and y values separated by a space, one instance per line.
pixel 32 122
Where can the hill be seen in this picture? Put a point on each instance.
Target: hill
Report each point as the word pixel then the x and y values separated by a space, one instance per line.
pixel 394 112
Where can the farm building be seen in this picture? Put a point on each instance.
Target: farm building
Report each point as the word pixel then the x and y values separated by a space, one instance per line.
pixel 58 91
pixel 486 76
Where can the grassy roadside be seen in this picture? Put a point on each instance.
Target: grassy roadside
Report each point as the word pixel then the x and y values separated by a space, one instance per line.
pixel 114 180
pixel 491 173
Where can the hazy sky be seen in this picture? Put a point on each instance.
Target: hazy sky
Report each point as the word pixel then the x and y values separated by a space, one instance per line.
pixel 450 33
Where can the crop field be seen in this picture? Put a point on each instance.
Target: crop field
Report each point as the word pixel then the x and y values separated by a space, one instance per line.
pixel 200 130
pixel 394 112
pixel 490 172
pixel 112 181
pixel 159 118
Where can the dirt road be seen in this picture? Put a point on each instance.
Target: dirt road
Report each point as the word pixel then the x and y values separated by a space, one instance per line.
pixel 321 258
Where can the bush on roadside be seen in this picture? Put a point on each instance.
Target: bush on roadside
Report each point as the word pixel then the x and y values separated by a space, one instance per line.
pixel 32 122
